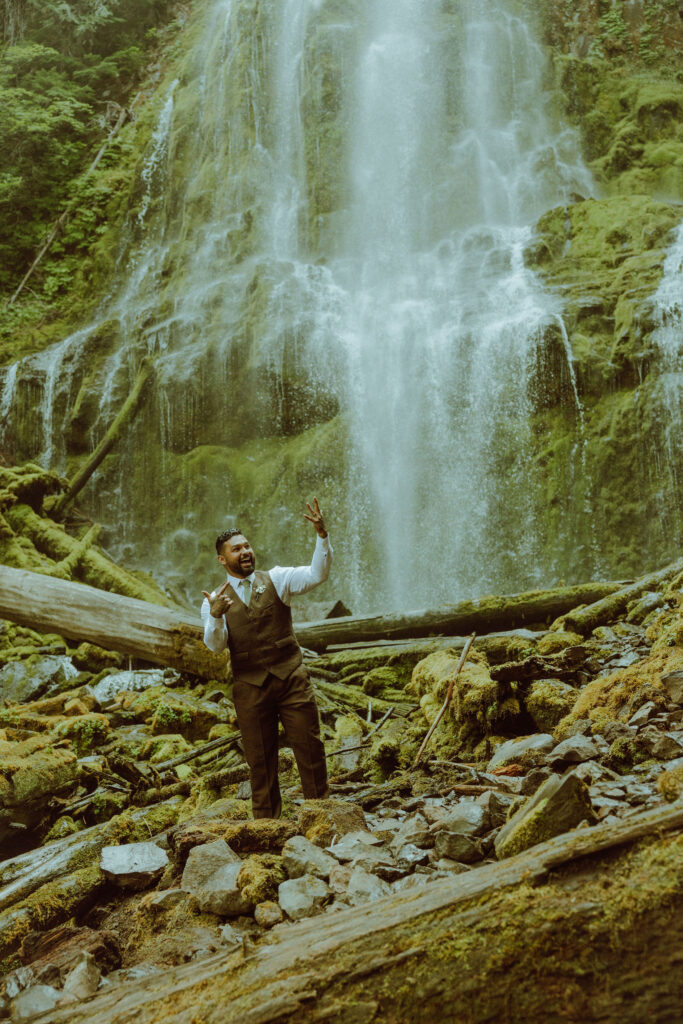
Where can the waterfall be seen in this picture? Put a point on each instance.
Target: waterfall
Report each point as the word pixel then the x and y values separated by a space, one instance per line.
pixel 331 222
pixel 668 339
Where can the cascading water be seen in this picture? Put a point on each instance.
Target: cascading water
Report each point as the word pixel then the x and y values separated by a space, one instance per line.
pixel 331 222
pixel 668 339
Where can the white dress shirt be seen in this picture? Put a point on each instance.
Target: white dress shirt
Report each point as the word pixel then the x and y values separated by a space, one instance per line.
pixel 287 580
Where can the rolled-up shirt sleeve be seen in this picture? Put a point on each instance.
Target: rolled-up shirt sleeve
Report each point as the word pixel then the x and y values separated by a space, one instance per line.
pixel 215 630
pixel 299 579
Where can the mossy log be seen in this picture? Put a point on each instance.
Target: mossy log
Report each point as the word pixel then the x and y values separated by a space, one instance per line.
pixel 144 630
pixel 492 944
pixel 612 606
pixel 79 557
pixel 125 415
pixel 481 615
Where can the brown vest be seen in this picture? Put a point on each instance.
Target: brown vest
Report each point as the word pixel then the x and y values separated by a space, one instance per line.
pixel 260 637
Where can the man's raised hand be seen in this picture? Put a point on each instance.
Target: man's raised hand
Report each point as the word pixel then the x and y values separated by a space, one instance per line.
pixel 220 602
pixel 316 517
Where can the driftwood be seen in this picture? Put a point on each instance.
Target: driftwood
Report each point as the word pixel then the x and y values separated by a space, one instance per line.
pixel 125 414
pixel 610 607
pixel 139 628
pixel 482 615
pixel 490 944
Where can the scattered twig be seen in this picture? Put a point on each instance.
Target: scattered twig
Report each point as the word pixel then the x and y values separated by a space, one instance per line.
pixel 347 750
pixel 197 752
pixel 449 694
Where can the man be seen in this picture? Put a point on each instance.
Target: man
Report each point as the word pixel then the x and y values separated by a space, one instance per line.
pixel 250 614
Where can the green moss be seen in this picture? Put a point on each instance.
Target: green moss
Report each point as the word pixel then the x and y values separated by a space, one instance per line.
pixel 260 876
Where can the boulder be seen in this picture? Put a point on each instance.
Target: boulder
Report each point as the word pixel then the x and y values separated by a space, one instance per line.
pixel 673 684
pixel 260 876
pixel 302 857
pixel 33 773
pixel 574 750
pixel 457 846
pixel 353 845
pixel 134 865
pixel 525 750
pixel 322 821
pixel 83 979
pixel 267 914
pixel 211 875
pixel 32 677
pixel 662 745
pixel 33 1001
pixel 468 817
pixel 302 897
pixel 548 701
pixel 560 804
pixel 364 887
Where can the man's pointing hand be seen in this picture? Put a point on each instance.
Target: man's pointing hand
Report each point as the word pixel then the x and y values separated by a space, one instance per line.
pixel 219 603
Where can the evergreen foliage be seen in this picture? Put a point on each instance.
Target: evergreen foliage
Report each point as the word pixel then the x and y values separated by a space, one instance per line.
pixel 66 68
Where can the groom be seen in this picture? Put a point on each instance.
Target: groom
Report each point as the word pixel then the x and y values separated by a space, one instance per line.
pixel 251 616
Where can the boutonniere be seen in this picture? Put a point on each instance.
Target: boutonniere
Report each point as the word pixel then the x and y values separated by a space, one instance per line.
pixel 259 589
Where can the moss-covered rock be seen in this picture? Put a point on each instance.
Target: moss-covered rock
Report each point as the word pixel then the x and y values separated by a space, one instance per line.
pixel 548 701
pixel 86 732
pixel 260 876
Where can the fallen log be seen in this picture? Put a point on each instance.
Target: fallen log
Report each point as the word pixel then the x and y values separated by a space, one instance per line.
pixel 490 944
pixel 612 606
pixel 481 615
pixel 144 630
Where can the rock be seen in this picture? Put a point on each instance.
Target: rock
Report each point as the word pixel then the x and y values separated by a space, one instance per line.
pixel 414 829
pixel 322 821
pixel 496 806
pixel 364 887
pixel 617 730
pixel 168 899
pixel 35 1000
pixel 302 897
pixel 210 875
pixel 232 937
pixel 34 771
pixel 643 715
pixel 260 876
pixel 248 836
pixel 574 750
pixel 457 846
pixel 128 681
pixel 548 701
pixel 267 914
pixel 409 856
pixel 133 866
pixel 526 750
pixel 468 818
pixel 673 684
pixel 560 804
pixel 670 782
pixel 353 845
pixel 662 745
pixel 339 878
pixel 302 857
pixel 533 779
pixel 28 679
pixel 446 865
pixel 83 980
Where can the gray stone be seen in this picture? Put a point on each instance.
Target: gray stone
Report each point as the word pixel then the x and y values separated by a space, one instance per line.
pixel 496 806
pixel 457 846
pixel 168 899
pixel 244 790
pixel 134 865
pixel 232 937
pixel 662 745
pixel 352 845
pixel 35 1000
pixel 83 979
pixel 302 897
pixel 302 857
pixel 617 730
pixel 414 829
pixel 339 878
pixel 410 855
pixel 376 860
pixel 364 887
pixel 643 715
pixel 267 914
pixel 673 684
pixel 444 866
pixel 560 804
pixel 467 817
pixel 533 779
pixel 127 681
pixel 24 680
pixel 581 727
pixel 210 875
pixel 529 748
pixel 574 750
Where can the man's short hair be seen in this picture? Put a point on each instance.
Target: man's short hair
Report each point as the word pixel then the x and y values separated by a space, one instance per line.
pixel 225 535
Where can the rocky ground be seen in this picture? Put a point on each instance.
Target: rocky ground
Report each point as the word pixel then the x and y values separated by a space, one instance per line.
pixel 127 840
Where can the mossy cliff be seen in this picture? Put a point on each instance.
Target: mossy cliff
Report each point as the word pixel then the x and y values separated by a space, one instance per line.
pixel 182 262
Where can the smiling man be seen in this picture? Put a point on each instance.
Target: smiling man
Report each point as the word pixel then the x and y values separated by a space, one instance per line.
pixel 251 616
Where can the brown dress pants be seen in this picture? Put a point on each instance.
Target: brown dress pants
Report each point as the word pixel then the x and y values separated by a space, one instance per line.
pixel 258 709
